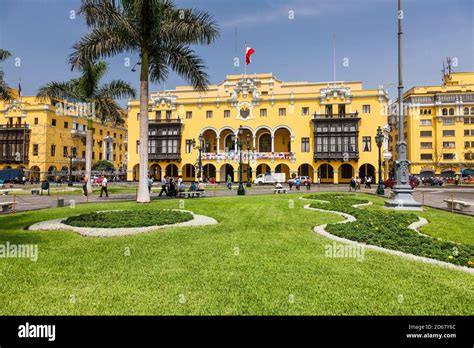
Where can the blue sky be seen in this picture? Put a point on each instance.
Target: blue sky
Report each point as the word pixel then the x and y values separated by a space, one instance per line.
pixel 41 34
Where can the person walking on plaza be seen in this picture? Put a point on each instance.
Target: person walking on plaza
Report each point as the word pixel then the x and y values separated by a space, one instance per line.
pixel 103 187
pixel 229 182
pixel 353 185
pixel 163 186
pixel 44 186
pixel 84 186
pixel 150 183
pixel 172 188
pixel 308 183
pixel 290 183
pixel 358 182
pixel 368 182
pixel 298 183
pixel 456 180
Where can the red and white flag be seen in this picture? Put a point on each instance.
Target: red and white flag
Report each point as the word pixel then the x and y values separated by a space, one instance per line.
pixel 249 51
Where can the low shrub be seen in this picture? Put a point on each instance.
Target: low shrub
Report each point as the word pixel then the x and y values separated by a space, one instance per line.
pixel 128 218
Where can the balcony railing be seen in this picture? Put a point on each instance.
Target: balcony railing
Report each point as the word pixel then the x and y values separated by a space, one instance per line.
pixel 14 126
pixel 14 159
pixel 354 115
pixel 346 156
pixel 165 120
pixel 232 155
pixel 165 156
pixel 78 133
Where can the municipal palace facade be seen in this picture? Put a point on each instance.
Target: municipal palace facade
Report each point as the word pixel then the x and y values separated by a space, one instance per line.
pixel 323 130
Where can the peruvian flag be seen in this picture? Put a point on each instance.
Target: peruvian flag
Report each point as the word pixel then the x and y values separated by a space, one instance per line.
pixel 249 51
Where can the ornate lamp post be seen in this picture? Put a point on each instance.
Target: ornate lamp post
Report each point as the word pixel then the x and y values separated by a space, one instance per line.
pixel 241 189
pixel 402 198
pixel 249 169
pixel 71 156
pixel 379 140
pixel 199 147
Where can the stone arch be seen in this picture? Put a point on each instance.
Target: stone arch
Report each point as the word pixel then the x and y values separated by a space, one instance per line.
pixel 263 168
pixel 209 171
pixel 172 170
pixel 283 168
pixel 282 139
pixel 188 172
pixel 227 169
pixel 136 172
pixel 346 172
pixel 155 171
pixel 306 169
pixel 367 170
pixel 326 173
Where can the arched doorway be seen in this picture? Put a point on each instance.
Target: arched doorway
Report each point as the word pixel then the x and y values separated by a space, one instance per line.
pixel 367 170
pixel 209 171
pixel 283 168
pixel 227 169
pixel 51 176
pixel 34 173
pixel 189 172
pixel 136 172
pixel 326 173
pixel 282 140
pixel 155 171
pixel 448 173
pixel 265 142
pixel 263 169
pixel 427 173
pixel 172 170
pixel 305 170
pixel 346 172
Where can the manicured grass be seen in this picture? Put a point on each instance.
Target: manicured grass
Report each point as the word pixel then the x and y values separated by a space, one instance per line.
pixel 128 218
pixel 262 258
pixel 388 229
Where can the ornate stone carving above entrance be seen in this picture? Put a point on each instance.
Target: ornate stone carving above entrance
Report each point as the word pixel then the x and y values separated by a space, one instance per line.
pixel 244 111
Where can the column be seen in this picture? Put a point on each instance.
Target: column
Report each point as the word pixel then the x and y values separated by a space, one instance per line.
pixel 336 176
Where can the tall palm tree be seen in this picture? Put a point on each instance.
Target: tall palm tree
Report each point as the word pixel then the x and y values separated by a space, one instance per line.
pixel 5 91
pixel 161 34
pixel 100 100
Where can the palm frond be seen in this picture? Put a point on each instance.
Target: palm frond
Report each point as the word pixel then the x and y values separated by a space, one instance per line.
pixel 61 91
pixel 4 55
pixel 116 89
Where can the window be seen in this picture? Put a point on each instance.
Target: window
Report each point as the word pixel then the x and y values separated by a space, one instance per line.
pixel 449 133
pixel 449 144
pixel 83 154
pixel 281 112
pixel 115 136
pixel 366 109
pixel 189 145
pixel 425 133
pixel 53 150
pixel 168 114
pixel 449 156
pixel 305 111
pixel 425 123
pixel 426 156
pixel 263 112
pixel 426 145
pixel 226 113
pixel 472 111
pixel 93 155
pixel 366 145
pixel 115 157
pixel 101 132
pixel 466 111
pixel 66 125
pixel 100 155
pixel 209 114
pixel 137 146
pixel 189 114
pixel 448 120
pixel 121 136
pixel 342 110
pixel 304 144
pixel 445 112
pixel 466 132
pixel 36 120
pixel 35 149
pixel 468 144
pixel 469 156
pixel 466 120
pixel 53 122
pixel 451 111
pixel 65 152
pixel 138 115
pixel 74 151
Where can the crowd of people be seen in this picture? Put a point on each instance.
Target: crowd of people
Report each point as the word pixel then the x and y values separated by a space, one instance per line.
pixel 171 186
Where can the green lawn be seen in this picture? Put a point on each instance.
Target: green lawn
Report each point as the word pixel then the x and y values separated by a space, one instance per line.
pixel 262 258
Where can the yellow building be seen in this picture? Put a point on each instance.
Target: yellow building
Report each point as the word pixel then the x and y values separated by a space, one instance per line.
pixel 439 127
pixel 39 137
pixel 323 130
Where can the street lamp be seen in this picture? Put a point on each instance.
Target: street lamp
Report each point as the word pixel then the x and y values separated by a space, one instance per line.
pixel 379 140
pixel 199 147
pixel 241 189
pixel 71 156
pixel 402 192
pixel 249 169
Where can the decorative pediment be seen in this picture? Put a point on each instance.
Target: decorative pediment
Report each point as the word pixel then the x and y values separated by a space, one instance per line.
pixel 164 99
pixel 244 88
pixel 15 106
pixel 335 92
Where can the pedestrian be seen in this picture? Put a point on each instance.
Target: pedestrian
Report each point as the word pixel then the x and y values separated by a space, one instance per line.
pixel 229 182
pixel 103 187
pixel 44 186
pixel 290 183
pixel 308 183
pixel 297 183
pixel 456 180
pixel 353 185
pixel 358 182
pixel 180 180
pixel 200 186
pixel 163 186
pixel 172 188
pixel 192 187
pixel 84 185
pixel 150 183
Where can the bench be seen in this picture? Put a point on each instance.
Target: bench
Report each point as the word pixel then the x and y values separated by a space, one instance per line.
pixel 35 191
pixel 5 192
pixel 457 205
pixel 191 194
pixel 279 190
pixel 7 206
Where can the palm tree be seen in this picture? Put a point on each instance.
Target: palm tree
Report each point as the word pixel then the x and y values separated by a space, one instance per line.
pixel 99 99
pixel 161 34
pixel 5 91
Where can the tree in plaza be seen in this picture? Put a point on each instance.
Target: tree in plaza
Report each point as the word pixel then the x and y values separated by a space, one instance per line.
pixel 161 34
pixel 5 91
pixel 103 166
pixel 99 100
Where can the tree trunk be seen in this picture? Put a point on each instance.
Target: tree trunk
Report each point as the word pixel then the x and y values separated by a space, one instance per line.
pixel 143 196
pixel 89 135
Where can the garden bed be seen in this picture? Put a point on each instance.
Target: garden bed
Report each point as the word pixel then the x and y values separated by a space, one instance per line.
pixel 389 229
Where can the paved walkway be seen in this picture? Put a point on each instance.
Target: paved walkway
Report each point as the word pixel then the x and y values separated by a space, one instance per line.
pixel 430 196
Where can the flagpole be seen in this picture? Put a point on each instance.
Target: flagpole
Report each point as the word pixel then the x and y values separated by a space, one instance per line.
pixel 245 60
